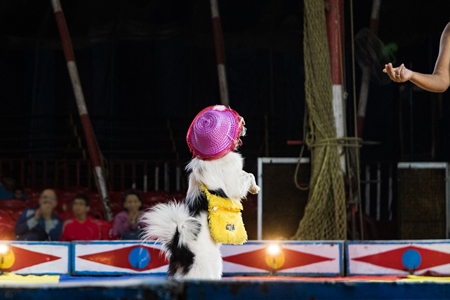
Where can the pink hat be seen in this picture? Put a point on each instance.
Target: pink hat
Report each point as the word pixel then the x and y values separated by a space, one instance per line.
pixel 214 132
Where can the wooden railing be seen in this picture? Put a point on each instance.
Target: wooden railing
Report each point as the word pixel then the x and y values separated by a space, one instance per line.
pixel 144 175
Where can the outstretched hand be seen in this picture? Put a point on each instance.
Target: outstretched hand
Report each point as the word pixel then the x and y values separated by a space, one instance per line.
pixel 399 74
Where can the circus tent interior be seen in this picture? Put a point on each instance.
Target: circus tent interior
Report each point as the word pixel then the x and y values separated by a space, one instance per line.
pixel 147 67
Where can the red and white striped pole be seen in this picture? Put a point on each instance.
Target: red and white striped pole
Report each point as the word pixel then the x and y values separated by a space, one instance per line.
pixel 81 104
pixel 220 52
pixel 334 19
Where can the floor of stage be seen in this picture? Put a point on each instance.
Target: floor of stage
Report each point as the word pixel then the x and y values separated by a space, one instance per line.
pixel 241 287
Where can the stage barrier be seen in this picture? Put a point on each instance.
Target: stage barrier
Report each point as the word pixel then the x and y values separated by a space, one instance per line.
pixel 254 258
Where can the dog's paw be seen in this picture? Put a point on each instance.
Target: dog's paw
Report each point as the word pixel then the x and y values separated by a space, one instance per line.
pixel 254 189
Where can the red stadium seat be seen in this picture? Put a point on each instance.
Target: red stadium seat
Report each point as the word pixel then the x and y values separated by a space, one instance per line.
pixel 7 231
pixel 15 214
pixel 7 224
pixel 66 215
pixel 105 229
pixel 13 204
pixel 5 217
pixel 96 214
pixel 154 197
pixel 93 196
pixel 116 208
pixel 76 190
pixel 115 197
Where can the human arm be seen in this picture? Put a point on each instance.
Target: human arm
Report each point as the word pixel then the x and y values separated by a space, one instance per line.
pixel 436 82
pixel 120 224
pixel 25 222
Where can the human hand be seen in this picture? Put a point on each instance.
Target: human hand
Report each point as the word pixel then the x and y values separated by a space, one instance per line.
pixel 399 74
pixel 37 214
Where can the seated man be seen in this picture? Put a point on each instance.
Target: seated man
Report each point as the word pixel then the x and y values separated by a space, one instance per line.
pixel 80 227
pixel 41 223
pixel 7 183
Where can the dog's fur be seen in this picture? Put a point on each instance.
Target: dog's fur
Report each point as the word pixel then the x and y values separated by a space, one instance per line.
pixel 183 228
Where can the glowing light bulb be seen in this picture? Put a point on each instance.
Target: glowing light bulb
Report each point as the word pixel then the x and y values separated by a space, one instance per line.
pixel 3 249
pixel 273 249
pixel 7 257
pixel 274 257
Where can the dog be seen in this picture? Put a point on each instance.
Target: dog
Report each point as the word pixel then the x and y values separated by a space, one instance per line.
pixel 192 232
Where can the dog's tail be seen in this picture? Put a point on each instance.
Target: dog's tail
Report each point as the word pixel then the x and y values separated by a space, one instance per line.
pixel 171 225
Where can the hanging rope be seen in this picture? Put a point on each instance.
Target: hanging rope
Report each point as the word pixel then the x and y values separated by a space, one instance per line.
pixel 325 213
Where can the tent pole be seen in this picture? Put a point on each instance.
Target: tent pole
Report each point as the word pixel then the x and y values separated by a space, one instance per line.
pixel 94 152
pixel 220 52
pixel 334 19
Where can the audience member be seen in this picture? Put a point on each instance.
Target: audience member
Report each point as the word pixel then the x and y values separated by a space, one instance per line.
pixel 81 227
pixel 126 225
pixel 7 183
pixel 40 223
pixel 19 193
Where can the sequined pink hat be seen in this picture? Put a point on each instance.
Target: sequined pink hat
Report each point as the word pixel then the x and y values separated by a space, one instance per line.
pixel 214 132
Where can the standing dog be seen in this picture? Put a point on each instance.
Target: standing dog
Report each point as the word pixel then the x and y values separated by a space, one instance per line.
pixel 191 232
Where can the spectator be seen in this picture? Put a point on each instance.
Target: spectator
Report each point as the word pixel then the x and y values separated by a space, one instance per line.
pixel 126 225
pixel 80 227
pixel 7 183
pixel 19 193
pixel 40 223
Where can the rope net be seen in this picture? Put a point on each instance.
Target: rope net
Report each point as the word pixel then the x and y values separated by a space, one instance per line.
pixel 325 212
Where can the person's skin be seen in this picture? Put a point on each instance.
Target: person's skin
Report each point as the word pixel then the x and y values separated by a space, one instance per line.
pixel 132 204
pixel 439 80
pixel 47 203
pixel 80 209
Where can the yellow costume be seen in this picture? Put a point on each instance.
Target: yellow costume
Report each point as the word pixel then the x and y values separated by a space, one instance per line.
pixel 225 219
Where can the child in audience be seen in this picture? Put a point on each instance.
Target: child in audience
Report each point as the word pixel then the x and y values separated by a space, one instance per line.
pixel 81 227
pixel 126 225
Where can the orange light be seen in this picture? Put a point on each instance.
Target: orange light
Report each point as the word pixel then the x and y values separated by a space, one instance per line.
pixel 274 257
pixel 4 248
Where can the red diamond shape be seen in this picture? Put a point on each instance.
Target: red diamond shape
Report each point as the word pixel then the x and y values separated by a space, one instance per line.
pixel 257 259
pixel 25 258
pixel 393 258
pixel 119 258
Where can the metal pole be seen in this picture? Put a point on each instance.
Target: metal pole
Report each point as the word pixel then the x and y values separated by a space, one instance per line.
pixel 82 110
pixel 335 33
pixel 334 19
pixel 220 52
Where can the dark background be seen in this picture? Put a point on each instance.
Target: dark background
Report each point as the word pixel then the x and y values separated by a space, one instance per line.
pixel 147 67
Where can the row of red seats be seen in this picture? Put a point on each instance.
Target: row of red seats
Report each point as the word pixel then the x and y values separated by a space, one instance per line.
pixel 10 209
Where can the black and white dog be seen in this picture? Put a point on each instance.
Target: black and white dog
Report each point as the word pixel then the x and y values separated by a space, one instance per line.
pixel 217 169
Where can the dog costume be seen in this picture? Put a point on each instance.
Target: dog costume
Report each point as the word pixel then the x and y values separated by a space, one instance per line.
pixel 191 232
